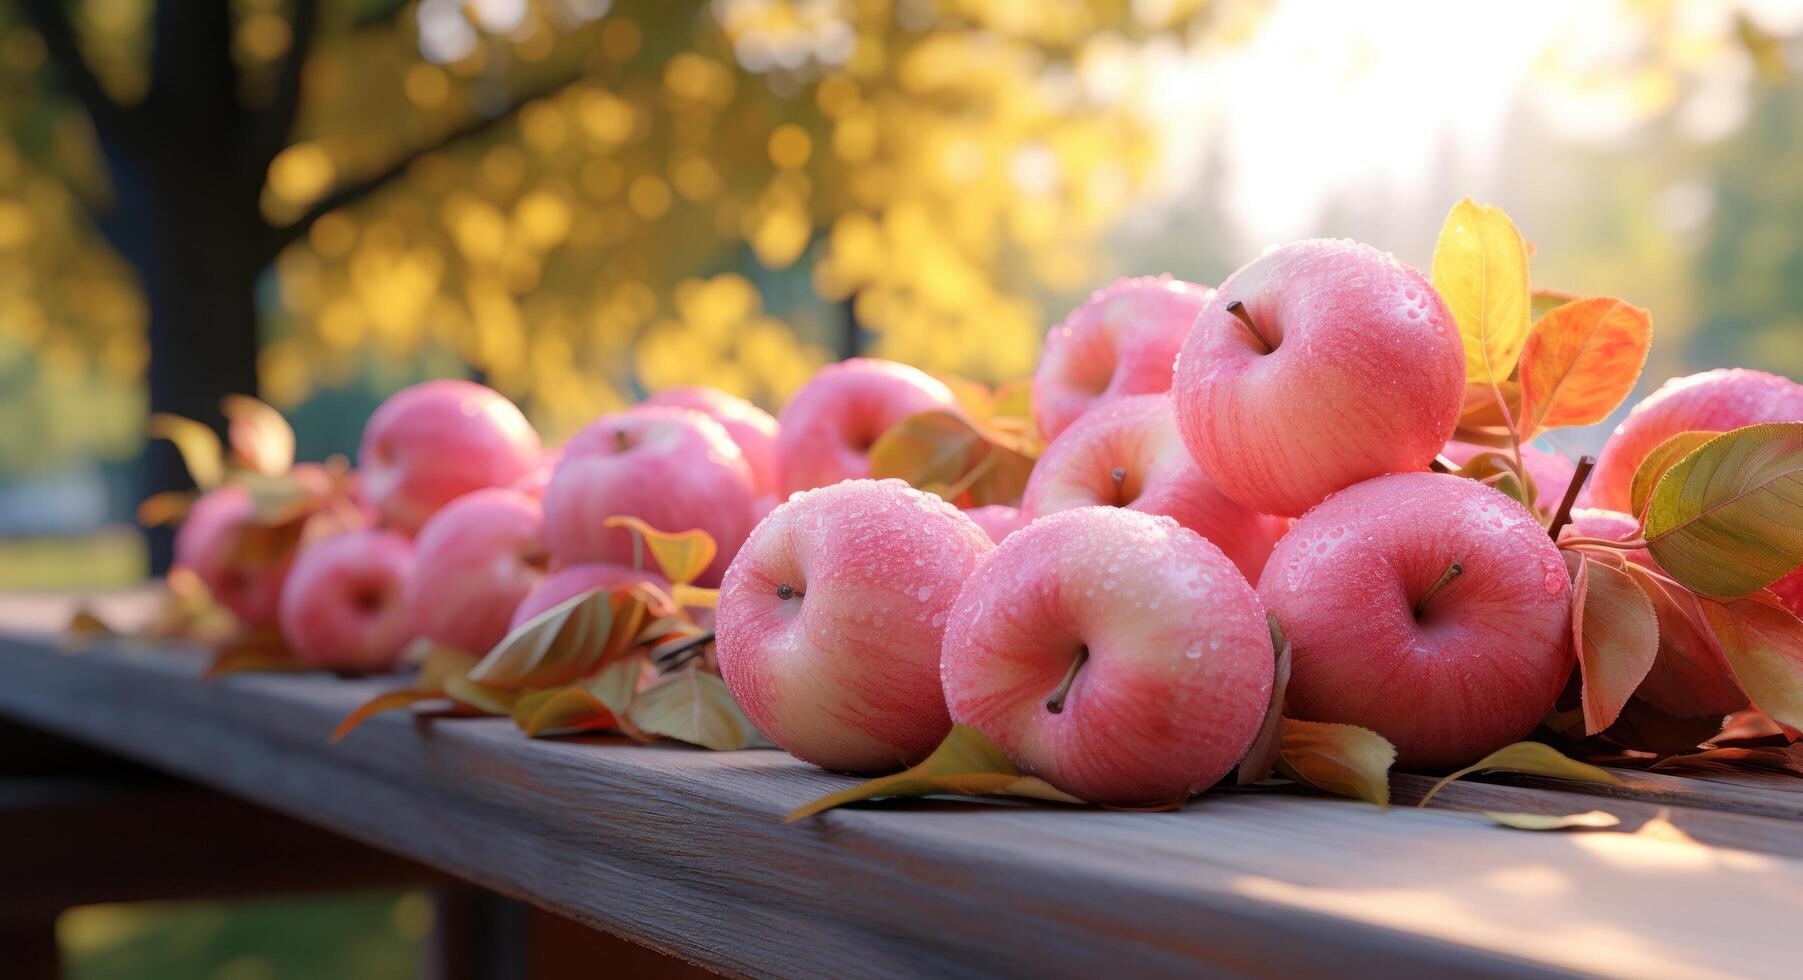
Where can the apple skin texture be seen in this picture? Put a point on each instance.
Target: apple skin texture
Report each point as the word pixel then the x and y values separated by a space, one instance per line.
pixel 845 673
pixel 1551 472
pixel 1491 651
pixel 204 543
pixel 342 607
pixel 673 468
pixel 1138 435
pixel 474 561
pixel 431 443
pixel 1367 376
pixel 1713 401
pixel 826 430
pixel 1179 668
pixel 1690 677
pixel 568 583
pixel 997 520
pixel 752 428
pixel 1123 340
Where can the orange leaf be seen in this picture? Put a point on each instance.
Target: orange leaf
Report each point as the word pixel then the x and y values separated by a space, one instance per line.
pixel 1580 361
pixel 1482 414
pixel 255 651
pixel 391 701
pixel 679 555
pixel 168 507
pixel 1616 633
pixel 1763 642
pixel 563 709
pixel 260 438
pixel 1342 759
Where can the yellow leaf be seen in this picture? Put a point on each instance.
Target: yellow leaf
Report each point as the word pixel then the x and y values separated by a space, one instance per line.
pixel 1497 469
pixel 945 454
pixel 85 626
pixel 391 701
pixel 489 700
pixel 1345 760
pixel 1483 415
pixel 168 507
pixel 598 702
pixel 1481 271
pixel 680 556
pixel 694 706
pixel 1663 457
pixel 441 665
pixel 253 651
pixel 1588 820
pixel 1763 642
pixel 965 764
pixel 1534 759
pixel 1261 757
pixel 261 439
pixel 1727 519
pixel 557 646
pixel 198 445
pixel 693 595
pixel 1580 361
pixel 1615 630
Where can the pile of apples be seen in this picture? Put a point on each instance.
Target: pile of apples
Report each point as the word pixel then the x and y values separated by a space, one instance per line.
pixel 1226 472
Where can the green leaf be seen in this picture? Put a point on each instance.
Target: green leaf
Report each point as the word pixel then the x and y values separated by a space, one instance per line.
pixel 1663 457
pixel 941 452
pixel 965 764
pixel 1532 758
pixel 1615 630
pixel 1588 820
pixel 1342 759
pixel 1497 469
pixel 694 706
pixel 1261 756
pixel 1480 269
pixel 1763 642
pixel 1727 520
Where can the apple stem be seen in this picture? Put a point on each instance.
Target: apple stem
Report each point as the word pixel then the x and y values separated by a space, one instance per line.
pixel 1238 309
pixel 1055 703
pixel 622 442
pixel 1452 571
pixel 785 591
pixel 1119 473
pixel 1562 516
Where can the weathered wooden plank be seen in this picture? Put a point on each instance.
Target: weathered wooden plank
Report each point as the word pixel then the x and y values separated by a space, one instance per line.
pixel 684 851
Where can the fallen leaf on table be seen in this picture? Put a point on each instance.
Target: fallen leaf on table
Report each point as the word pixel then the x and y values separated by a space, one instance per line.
pixel 1532 758
pixel 965 764
pixel 1588 820
pixel 1345 760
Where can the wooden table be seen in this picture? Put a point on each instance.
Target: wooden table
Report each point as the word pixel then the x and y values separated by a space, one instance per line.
pixel 685 850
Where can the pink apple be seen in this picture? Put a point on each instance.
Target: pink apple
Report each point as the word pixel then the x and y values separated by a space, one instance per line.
pixel 1690 676
pixel 343 606
pixel 673 468
pixel 568 583
pixel 830 622
pixel 1551 472
pixel 434 442
pixel 205 544
pixel 1351 368
pixel 1713 401
pixel 750 426
pixel 1122 341
pixel 828 427
pixel 1448 665
pixel 539 476
pixel 997 520
pixel 1163 642
pixel 1128 453
pixel 474 561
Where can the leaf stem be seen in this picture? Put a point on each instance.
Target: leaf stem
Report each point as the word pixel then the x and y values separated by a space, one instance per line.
pixel 1563 516
pixel 1055 703
pixel 1238 309
pixel 1453 571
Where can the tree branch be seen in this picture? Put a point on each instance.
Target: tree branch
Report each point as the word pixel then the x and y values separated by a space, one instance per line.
pixel 355 191
pixel 275 123
pixel 116 123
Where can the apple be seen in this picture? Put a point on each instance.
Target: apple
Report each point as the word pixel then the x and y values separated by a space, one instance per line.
pixel 830 620
pixel 204 545
pixel 750 426
pixel 1123 340
pixel 1789 591
pixel 1316 366
pixel 674 468
pixel 1550 471
pixel 1116 654
pixel 568 583
pixel 1128 453
pixel 1713 401
pixel 539 476
pixel 1690 677
pixel 997 520
pixel 431 443
pixel 827 428
pixel 1428 608
pixel 474 561
pixel 343 606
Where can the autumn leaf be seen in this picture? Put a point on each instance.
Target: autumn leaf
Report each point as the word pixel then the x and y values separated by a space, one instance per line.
pixel 1480 268
pixel 198 445
pixel 1544 301
pixel 1662 458
pixel 167 508
pixel 1532 758
pixel 596 702
pixel 440 665
pixel 943 453
pixel 1588 820
pixel 1498 470
pixel 557 646
pixel 965 764
pixel 1763 642
pixel 680 555
pixel 1580 361
pixel 1482 420
pixel 1615 630
pixel 481 697
pixel 85 627
pixel 1261 756
pixel 694 706
pixel 253 651
pixel 1345 760
pixel 260 438
pixel 1727 519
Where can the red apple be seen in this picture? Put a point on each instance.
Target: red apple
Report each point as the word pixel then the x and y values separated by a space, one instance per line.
pixel 1345 366
pixel 434 442
pixel 831 618
pixel 1551 472
pixel 474 561
pixel 205 544
pixel 1122 341
pixel 748 425
pixel 1428 608
pixel 997 520
pixel 539 476
pixel 1128 453
pixel 1116 654
pixel 827 428
pixel 674 468
pixel 1713 401
pixel 343 606
pixel 568 583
